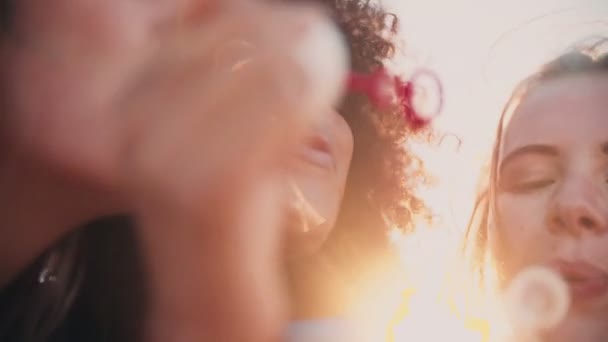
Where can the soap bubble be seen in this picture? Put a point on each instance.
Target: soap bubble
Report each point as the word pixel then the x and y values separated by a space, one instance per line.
pixel 536 300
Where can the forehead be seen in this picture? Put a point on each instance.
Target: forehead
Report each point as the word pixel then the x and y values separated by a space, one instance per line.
pixel 568 112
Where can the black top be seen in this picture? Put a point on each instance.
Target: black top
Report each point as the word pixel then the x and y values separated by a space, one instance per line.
pixel 95 293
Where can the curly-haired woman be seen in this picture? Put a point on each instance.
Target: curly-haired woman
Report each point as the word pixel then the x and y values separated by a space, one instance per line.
pixel 134 167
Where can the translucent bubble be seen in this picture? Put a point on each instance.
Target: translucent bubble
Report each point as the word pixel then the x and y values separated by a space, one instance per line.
pixel 537 299
pixel 427 96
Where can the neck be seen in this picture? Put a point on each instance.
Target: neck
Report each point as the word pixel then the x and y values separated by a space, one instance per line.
pixel 39 207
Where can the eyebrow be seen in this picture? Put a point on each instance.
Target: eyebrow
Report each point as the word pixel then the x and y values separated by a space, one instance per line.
pixel 545 150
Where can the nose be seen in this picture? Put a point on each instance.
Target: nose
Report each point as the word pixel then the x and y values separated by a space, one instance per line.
pixel 577 207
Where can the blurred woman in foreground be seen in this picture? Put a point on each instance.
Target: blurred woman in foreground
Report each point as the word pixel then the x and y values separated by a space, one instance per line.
pixel 146 180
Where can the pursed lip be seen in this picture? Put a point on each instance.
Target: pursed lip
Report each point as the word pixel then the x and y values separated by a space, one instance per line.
pixel 317 151
pixel 585 281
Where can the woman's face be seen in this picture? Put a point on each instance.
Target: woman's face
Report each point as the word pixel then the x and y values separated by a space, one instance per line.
pixel 552 195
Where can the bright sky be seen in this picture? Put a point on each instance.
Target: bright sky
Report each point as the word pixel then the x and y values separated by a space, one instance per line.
pixel 480 49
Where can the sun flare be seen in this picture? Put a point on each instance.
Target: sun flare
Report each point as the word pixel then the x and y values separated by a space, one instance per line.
pixel 480 50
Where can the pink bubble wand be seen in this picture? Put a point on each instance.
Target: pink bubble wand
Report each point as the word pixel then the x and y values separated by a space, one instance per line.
pixel 385 90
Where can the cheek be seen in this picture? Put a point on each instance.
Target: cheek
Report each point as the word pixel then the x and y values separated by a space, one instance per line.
pixel 345 147
pixel 325 200
pixel 324 196
pixel 53 100
pixel 596 249
pixel 70 62
pixel 71 55
pixel 520 237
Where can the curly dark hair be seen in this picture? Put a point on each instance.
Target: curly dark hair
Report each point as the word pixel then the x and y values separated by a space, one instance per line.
pixel 382 168
pixel 379 192
pixel 379 195
pixel 587 57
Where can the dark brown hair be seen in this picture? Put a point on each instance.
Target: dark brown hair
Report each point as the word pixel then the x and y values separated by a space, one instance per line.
pixel 383 176
pixel 588 57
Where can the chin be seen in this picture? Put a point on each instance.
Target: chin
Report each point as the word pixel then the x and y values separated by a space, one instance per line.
pixel 580 326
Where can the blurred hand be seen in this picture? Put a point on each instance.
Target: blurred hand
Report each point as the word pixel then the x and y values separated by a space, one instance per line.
pixel 202 155
pixel 147 105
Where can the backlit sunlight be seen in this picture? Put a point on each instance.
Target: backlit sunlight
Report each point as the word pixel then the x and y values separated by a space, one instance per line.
pixel 480 49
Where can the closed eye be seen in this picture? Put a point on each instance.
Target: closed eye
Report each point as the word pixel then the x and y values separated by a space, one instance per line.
pixel 529 186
